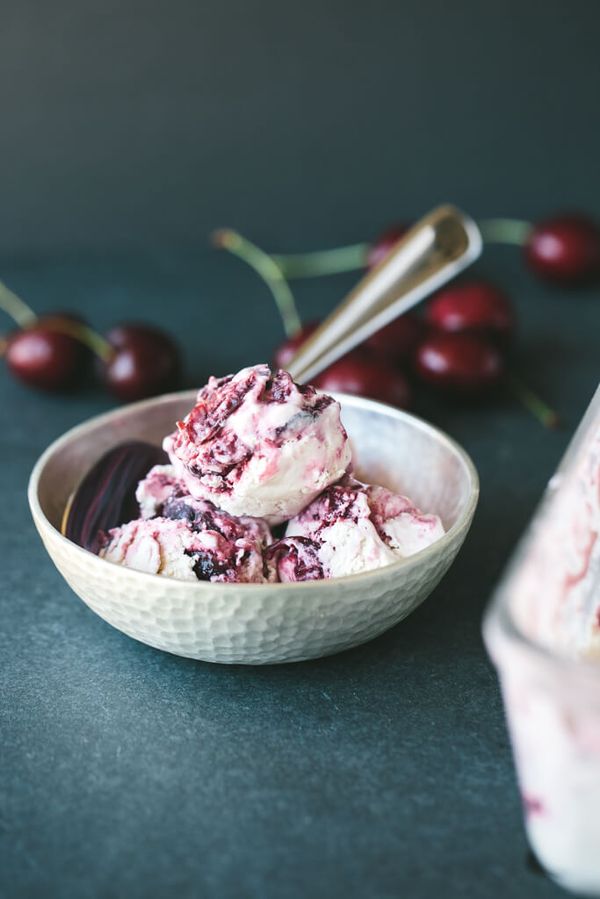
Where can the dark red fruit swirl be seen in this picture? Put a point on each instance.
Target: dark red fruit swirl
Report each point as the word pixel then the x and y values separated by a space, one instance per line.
pixel 297 557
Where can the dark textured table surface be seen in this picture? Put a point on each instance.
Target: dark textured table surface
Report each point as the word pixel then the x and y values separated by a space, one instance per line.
pixel 380 772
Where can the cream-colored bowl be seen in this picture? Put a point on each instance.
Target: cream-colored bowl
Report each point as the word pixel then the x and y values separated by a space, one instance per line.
pixel 258 624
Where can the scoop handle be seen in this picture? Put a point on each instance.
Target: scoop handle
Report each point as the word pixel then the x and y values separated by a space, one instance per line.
pixel 436 248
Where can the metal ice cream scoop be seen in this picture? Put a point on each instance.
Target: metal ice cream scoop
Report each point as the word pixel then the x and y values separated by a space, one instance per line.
pixel 437 248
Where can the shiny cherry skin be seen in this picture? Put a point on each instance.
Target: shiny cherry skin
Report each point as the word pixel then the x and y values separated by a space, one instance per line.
pixel 54 320
pixel 287 350
pixel 564 248
pixel 398 340
pixel 380 248
pixel 459 363
pixel 476 307
pixel 43 358
pixel 146 362
pixel 358 373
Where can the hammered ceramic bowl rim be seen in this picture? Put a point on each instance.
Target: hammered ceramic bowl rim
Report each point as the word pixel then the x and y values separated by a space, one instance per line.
pixel 462 522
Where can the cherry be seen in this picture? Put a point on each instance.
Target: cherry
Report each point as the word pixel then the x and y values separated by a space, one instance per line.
pixel 564 248
pixel 145 362
pixel 43 358
pixel 474 306
pixel 359 374
pixel 386 241
pixel 72 324
pixel 398 340
pixel 287 350
pixel 459 363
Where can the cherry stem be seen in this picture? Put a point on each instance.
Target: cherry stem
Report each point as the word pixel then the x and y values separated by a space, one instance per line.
pixel 19 311
pixel 511 231
pixel 268 269
pixel 354 256
pixel 323 262
pixel 547 416
pixel 84 334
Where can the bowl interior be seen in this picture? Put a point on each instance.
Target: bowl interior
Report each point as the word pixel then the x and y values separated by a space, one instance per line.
pixel 390 448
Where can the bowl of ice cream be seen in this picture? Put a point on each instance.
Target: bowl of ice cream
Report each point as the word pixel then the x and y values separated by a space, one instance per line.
pixel 273 532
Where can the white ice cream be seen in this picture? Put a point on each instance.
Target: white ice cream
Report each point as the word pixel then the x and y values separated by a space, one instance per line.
pixel 198 542
pixel 546 663
pixel 258 444
pixel 558 584
pixel 159 546
pixel 352 527
pixel 556 741
pixel 159 485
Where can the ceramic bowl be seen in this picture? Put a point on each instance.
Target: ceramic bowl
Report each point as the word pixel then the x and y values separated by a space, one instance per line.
pixel 258 624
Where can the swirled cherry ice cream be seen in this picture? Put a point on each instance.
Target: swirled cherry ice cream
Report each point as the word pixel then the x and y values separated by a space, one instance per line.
pixel 258 444
pixel 352 527
pixel 189 539
pixel 256 450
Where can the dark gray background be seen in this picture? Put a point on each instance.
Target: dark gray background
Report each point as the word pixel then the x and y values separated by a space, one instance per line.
pixel 135 121
pixel 129 130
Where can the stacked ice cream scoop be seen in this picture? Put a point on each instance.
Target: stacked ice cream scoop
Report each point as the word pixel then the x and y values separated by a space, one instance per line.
pixel 258 450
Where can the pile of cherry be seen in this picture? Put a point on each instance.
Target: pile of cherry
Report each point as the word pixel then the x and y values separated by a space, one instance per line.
pixel 460 343
pixel 59 351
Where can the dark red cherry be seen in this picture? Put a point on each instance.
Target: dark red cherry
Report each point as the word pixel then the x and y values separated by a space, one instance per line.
pixel 146 362
pixel 477 307
pixel 287 350
pixel 43 357
pixel 359 374
pixel 459 363
pixel 386 241
pixel 564 248
pixel 71 323
pixel 397 341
